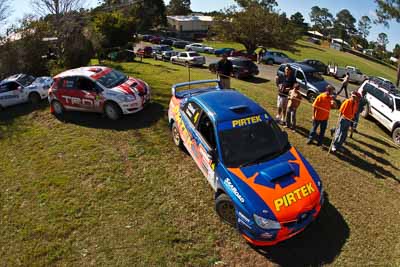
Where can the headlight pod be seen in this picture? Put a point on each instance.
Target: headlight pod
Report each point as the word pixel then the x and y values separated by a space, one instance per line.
pixel 265 223
pixel 126 98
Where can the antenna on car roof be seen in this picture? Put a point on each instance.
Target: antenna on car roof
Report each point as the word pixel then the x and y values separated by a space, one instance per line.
pixel 188 66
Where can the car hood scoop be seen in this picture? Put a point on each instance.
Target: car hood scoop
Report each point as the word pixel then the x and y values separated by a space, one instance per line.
pixel 276 172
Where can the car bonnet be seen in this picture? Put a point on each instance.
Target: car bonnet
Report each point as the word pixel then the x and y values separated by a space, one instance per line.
pixel 288 185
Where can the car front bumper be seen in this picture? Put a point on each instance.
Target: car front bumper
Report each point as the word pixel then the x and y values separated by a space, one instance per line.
pixel 135 106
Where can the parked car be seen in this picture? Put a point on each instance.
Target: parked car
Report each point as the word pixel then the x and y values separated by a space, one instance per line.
pixel 23 88
pixel 147 37
pixel 180 44
pixel 244 53
pixel 98 89
pixel 155 40
pixel 165 55
pixel 275 57
pixel 311 81
pixel 263 186
pixel 384 105
pixel 242 67
pixel 145 51
pixel 199 48
pixel 356 75
pixel 158 49
pixel 222 51
pixel 316 64
pixel 189 58
pixel 167 41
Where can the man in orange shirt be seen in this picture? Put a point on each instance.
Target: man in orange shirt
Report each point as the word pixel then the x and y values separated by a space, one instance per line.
pixel 321 109
pixel 347 112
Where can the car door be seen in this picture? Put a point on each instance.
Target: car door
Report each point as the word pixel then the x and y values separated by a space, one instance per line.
pixel 301 79
pixel 375 100
pixel 182 57
pixel 10 94
pixel 387 108
pixel 200 139
pixel 87 92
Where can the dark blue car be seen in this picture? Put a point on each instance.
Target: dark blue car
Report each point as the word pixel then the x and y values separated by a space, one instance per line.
pixel 221 51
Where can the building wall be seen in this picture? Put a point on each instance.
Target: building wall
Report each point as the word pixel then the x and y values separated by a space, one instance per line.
pixel 189 26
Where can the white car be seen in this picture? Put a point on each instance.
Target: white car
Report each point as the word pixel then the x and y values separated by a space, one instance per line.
pixel 189 58
pixel 383 103
pixel 22 88
pixel 98 89
pixel 199 48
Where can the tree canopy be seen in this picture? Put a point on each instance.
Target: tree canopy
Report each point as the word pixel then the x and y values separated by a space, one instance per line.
pixel 322 19
pixel 388 10
pixel 364 25
pixel 179 7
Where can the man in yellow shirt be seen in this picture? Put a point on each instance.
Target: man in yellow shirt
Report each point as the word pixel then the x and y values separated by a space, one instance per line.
pixel 347 110
pixel 321 108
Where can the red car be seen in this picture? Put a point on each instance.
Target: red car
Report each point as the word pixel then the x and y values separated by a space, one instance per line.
pixel 244 53
pixel 144 52
pixel 155 40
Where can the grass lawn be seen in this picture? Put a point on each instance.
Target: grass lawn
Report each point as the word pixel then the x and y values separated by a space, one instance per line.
pixel 88 191
pixel 309 50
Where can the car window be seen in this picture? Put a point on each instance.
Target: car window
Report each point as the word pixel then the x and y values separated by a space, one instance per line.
pixel 374 91
pixel 314 76
pixel 388 100
pixel 192 111
pixel 182 55
pixel 84 84
pixel 26 80
pixel 68 83
pixel 193 55
pixel 282 68
pixel 299 75
pixel 6 87
pixel 206 130
pixel 398 104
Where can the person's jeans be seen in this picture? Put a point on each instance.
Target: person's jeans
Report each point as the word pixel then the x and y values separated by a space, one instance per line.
pixel 291 118
pixel 344 87
pixel 313 132
pixel 355 120
pixel 341 132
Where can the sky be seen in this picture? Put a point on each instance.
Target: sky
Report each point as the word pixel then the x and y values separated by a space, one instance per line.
pixel 357 8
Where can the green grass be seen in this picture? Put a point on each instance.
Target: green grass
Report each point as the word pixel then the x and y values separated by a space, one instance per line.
pixel 306 49
pixel 87 191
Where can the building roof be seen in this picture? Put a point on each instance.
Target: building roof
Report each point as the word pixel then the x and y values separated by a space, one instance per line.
pixel 221 104
pixel 316 33
pixel 191 18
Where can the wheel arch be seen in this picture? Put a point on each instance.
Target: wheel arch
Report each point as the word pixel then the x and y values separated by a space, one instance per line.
pixel 395 126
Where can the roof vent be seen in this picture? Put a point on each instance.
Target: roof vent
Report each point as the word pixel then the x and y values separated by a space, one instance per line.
pixel 239 108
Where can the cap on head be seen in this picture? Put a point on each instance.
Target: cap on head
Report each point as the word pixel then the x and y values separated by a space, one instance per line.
pixel 356 94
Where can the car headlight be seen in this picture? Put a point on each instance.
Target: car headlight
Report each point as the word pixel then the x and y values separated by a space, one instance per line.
pixel 126 98
pixel 265 223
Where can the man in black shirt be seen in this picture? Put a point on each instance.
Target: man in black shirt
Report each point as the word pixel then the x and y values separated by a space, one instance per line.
pixel 224 70
pixel 285 84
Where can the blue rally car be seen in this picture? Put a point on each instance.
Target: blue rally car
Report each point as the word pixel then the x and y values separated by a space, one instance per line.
pixel 263 185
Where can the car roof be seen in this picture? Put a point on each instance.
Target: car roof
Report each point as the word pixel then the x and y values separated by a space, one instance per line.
pixel 90 72
pixel 303 67
pixel 222 103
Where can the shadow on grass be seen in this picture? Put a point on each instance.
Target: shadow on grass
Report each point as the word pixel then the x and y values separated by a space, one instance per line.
pixel 256 80
pixel 143 119
pixel 320 243
pixel 9 114
pixel 377 139
pixel 361 163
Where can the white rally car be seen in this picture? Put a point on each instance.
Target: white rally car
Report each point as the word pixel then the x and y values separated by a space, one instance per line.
pixel 22 88
pixel 98 89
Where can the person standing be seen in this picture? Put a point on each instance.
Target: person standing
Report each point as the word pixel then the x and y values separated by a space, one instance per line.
pixel 285 83
pixel 225 70
pixel 398 73
pixel 321 109
pixel 344 85
pixel 293 103
pixel 361 103
pixel 347 110
pixel 260 56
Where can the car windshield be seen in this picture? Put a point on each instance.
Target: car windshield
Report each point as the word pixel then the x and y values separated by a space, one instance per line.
pixel 243 63
pixel 193 54
pixel 314 76
pixel 397 104
pixel 112 79
pixel 252 144
pixel 26 80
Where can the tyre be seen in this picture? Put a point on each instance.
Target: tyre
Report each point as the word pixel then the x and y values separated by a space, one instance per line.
pixel 311 96
pixel 34 98
pixel 225 209
pixel 365 112
pixel 112 111
pixel 270 61
pixel 176 137
pixel 173 61
pixel 396 135
pixel 57 108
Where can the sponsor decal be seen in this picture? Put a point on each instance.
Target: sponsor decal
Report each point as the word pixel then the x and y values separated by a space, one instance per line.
pixel 81 101
pixel 243 217
pixel 294 196
pixel 228 182
pixel 246 121
pixel 244 223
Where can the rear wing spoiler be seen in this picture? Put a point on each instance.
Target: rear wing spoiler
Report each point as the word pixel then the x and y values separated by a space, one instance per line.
pixel 179 85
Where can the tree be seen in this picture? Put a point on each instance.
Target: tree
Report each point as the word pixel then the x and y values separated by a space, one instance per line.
pixel 383 39
pixel 321 18
pixel 364 25
pixel 256 26
pixel 179 7
pixel 298 19
pixel 267 4
pixel 4 10
pixel 387 10
pixel 396 51
pixel 344 24
pixel 56 7
pixel 143 10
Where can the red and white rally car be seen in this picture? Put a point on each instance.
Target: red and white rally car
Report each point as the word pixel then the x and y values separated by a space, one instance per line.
pixel 98 89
